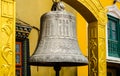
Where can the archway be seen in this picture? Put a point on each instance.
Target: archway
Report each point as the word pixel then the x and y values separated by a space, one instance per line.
pixel 96 17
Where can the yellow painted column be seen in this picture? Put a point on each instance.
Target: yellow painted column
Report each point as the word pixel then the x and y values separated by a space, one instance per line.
pixel 7 38
pixel 97 45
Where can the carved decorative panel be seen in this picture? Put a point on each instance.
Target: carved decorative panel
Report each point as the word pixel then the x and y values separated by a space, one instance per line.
pixel 96 38
pixel 7 8
pixel 102 57
pixel 7 38
pixel 93 49
pixel 93 32
pixel 101 31
pixel 97 50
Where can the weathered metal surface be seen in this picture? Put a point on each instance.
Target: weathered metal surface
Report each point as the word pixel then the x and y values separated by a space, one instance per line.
pixel 58 43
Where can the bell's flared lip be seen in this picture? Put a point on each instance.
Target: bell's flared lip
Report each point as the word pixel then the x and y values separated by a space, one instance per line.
pixel 65 64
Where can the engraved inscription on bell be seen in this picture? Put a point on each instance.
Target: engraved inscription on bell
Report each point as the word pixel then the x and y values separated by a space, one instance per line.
pixel 59 25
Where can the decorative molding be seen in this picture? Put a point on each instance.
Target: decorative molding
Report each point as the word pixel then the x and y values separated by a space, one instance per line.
pixel 102 18
pixel 97 6
pixel 102 31
pixel 7 26
pixel 113 60
pixel 7 39
pixel 22 29
pixel 7 47
pixel 7 8
pixel 102 56
pixel 97 50
pixel 92 57
pixel 114 11
pixel 97 46
pixel 96 41
pixel 92 47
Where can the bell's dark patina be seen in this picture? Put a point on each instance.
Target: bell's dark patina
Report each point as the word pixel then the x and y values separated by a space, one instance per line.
pixel 58 43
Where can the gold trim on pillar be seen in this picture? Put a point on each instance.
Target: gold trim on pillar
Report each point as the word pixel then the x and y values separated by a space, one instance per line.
pixel 7 38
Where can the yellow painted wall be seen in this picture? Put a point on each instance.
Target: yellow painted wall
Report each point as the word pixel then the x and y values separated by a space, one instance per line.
pixel 82 26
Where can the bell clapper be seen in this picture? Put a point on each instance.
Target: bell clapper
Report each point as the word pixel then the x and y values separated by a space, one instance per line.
pixel 57 68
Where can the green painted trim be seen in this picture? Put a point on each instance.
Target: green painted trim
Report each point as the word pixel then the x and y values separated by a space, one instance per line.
pixel 26 70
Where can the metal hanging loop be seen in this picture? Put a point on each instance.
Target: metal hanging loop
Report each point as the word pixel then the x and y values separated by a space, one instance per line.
pixel 57 5
pixel 56 1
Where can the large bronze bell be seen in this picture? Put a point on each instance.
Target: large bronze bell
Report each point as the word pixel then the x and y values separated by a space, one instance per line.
pixel 58 43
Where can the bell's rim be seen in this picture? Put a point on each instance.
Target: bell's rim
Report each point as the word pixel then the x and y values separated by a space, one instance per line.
pixel 65 64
